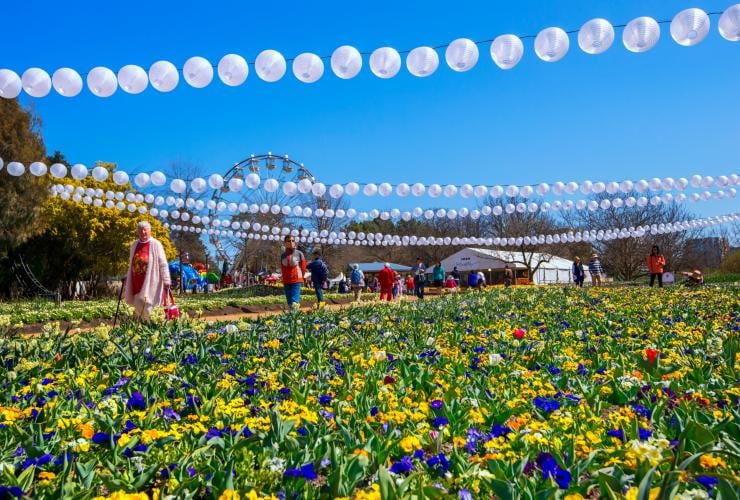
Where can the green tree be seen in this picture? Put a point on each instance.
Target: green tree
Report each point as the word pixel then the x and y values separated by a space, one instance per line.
pixel 89 243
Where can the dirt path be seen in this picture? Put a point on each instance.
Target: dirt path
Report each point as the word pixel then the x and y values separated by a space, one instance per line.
pixel 228 314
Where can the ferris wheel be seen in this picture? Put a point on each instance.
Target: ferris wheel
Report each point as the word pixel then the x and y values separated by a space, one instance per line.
pixel 256 205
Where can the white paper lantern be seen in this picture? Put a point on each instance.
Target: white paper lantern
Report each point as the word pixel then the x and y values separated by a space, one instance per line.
pixel 729 23
pixel 352 188
pixel 36 168
pixel 418 189
pixel 496 191
pixel 480 191
pixel 78 171
pixel 120 177
pixel 526 191
pixel 690 27
pixel 178 186
pixel 385 62
pixel 215 181
pixel 612 187
pixel 142 180
pixel 318 189
pixel 132 79
pixel 385 189
pixel 236 184
pixel 466 191
pixel 198 184
pixel 67 82
pixel 164 76
pixel 15 168
pixel 557 188
pixel 462 54
pixel 304 186
pixel 551 44
pixel 58 170
pixel 422 61
pixel 252 180
pixel 270 65
pixel 641 34
pixel 417 211
pixel 370 189
pixel 596 36
pixel 158 178
pixel 507 51
pixel 233 70
pixel 512 191
pixel 434 190
pixel 308 67
pixel 36 82
pixel 542 188
pixel 449 191
pixel 198 72
pixel 10 84
pixel 102 81
pixel 403 189
pixel 346 62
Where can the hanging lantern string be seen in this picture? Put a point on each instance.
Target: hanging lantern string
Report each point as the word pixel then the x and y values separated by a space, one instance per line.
pixel 442 46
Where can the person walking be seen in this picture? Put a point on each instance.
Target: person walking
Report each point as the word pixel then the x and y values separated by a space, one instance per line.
pixel 319 275
pixel 385 279
pixel 473 280
pixel 508 276
pixel 410 284
pixel 357 281
pixel 397 286
pixel 481 279
pixel 438 274
pixel 656 263
pixel 578 273
pixel 293 267
pixel 148 275
pixel 595 269
pixel 420 278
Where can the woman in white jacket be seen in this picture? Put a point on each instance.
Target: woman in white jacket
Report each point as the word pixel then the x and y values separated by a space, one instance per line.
pixel 148 274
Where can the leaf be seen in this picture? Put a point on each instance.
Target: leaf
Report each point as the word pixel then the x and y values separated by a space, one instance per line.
pixel 726 490
pixel 503 489
pixel 643 492
pixel 699 434
pixel 387 487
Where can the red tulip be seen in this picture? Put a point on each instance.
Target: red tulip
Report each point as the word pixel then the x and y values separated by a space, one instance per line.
pixel 651 354
pixel 58 358
pixel 519 333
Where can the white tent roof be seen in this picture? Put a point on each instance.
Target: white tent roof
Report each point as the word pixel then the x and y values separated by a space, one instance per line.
pixel 477 259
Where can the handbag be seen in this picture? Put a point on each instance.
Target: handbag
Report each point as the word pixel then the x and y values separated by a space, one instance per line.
pixel 171 311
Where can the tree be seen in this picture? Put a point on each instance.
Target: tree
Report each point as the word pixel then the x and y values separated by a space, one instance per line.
pixel 21 198
pixel 625 258
pixel 89 243
pixel 520 224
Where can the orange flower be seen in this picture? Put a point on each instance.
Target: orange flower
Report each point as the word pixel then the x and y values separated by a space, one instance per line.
pixel 86 430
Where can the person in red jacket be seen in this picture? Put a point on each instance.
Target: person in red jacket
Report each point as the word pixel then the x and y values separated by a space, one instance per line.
pixel 655 263
pixel 385 277
pixel 293 266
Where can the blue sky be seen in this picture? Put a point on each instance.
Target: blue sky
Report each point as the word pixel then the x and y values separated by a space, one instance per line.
pixel 671 111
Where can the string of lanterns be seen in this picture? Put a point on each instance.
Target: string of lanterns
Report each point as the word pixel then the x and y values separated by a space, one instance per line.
pixel 88 194
pixel 260 231
pixel 687 28
pixel 384 189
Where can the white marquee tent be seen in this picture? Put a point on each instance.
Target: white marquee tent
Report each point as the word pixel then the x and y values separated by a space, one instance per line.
pixel 552 270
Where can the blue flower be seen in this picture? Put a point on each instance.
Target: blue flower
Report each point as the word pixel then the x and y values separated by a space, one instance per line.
pixel 213 433
pixel 374 411
pixel 644 433
pixel 439 422
pixel 102 438
pixel 419 454
pixel 44 459
pixel 500 430
pixel 324 400
pixel 10 492
pixel 436 404
pixel 136 402
pixel 439 463
pixel 170 414
pixel 403 466
pixel 548 405
pixel 617 433
pixel 550 468
pixel 464 495
pixel 707 481
pixel 306 471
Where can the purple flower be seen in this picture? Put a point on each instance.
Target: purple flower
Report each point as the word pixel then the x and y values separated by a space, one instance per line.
pixel 403 466
pixel 548 405
pixel 436 404
pixel 439 422
pixel 44 459
pixel 419 454
pixel 326 414
pixel 374 411
pixel 644 433
pixel 102 438
pixel 439 463
pixel 136 402
pixel 708 482
pixel 464 495
pixel 617 433
pixel 10 492
pixel 46 381
pixel 550 468
pixel 213 433
pixel 170 414
pixel 498 430
pixel 306 471
pixel 192 472
pixel 324 400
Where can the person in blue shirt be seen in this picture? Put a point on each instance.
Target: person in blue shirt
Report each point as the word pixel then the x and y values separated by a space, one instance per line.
pixel 319 275
pixel 473 279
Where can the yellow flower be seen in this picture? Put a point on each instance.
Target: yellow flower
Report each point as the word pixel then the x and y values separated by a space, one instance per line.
pixel 632 493
pixel 710 462
pixel 373 494
pixel 410 443
pixel 122 495
pixel 86 430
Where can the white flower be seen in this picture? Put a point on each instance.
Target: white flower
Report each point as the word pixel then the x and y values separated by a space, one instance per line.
pixel 495 359
pixel 276 464
pixel 231 329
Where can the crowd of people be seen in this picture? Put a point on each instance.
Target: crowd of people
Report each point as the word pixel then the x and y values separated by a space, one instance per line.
pixel 147 283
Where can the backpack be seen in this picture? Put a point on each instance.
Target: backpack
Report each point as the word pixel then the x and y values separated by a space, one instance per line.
pixel 356 277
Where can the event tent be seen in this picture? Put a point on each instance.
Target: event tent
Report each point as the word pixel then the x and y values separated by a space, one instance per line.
pixel 552 270
pixel 375 267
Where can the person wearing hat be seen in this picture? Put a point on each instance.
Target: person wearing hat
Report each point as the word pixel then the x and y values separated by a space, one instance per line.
pixel 695 278
pixel 595 269
pixel 319 274
pixel 385 278
pixel 420 277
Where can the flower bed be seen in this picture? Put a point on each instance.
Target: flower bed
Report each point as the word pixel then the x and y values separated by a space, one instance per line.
pixel 532 392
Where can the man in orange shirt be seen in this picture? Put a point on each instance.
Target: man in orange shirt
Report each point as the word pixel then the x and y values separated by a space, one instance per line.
pixel 655 263
pixel 293 266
